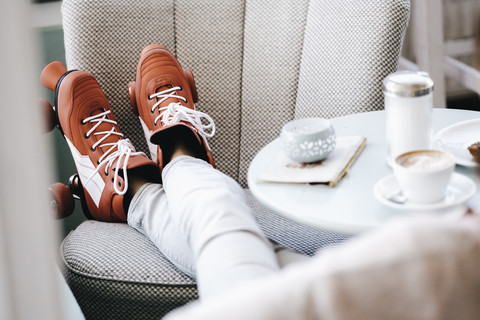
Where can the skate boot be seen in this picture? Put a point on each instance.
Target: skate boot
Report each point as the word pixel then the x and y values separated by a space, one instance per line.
pixel 163 97
pixel 102 156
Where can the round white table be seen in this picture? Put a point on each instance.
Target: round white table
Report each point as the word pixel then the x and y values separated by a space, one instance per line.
pixel 349 207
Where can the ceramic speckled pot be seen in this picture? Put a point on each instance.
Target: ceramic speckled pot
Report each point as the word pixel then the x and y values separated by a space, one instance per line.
pixel 308 140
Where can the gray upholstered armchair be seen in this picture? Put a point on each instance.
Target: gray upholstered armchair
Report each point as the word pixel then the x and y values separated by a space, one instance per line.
pixel 257 64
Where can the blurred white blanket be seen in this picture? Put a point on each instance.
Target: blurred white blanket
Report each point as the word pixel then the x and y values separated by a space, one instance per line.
pixel 425 268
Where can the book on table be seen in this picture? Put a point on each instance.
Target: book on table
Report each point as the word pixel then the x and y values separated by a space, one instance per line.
pixel 329 171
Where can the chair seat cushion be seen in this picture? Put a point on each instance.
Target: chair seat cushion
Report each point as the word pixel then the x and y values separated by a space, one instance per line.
pixel 117 273
pixel 298 237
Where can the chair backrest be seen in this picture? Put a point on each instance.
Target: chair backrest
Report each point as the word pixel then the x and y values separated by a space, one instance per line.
pixel 257 63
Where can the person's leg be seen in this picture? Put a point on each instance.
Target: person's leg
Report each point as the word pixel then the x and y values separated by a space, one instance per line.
pixel 111 172
pixel 149 214
pixel 211 209
pixel 286 256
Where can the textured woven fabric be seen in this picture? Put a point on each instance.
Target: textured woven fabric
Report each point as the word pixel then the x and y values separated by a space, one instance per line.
pixel 209 40
pixel 350 47
pixel 286 232
pixel 106 37
pixel 272 50
pixel 115 272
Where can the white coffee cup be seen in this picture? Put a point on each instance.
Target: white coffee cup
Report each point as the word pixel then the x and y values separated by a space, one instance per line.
pixel 423 175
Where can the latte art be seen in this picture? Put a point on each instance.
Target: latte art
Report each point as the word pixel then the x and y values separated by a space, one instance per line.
pixel 424 161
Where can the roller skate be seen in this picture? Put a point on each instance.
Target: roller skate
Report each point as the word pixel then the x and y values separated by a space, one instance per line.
pixel 163 97
pixel 102 156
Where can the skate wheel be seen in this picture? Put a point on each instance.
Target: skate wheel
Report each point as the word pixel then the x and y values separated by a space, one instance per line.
pixel 63 202
pixel 51 74
pixel 133 99
pixel 189 75
pixel 74 185
pixel 48 115
pixel 76 188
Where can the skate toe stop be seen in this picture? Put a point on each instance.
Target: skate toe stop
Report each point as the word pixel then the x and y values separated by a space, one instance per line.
pixel 51 74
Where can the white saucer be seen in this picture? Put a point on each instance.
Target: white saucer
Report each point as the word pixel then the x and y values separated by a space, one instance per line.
pixel 460 189
pixel 456 138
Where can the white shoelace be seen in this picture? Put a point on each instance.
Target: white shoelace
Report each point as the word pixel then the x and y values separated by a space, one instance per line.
pixel 124 149
pixel 176 112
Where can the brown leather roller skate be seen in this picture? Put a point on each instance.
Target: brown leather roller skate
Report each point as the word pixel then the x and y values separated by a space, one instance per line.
pixel 102 156
pixel 163 97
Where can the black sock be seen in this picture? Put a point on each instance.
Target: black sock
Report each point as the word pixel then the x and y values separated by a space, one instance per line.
pixel 148 174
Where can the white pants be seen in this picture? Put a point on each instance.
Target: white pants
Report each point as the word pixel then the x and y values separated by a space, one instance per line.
pixel 199 219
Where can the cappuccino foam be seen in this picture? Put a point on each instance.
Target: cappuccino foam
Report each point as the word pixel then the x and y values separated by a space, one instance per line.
pixel 424 161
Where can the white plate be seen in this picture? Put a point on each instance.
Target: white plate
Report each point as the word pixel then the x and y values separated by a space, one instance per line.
pixel 457 138
pixel 459 189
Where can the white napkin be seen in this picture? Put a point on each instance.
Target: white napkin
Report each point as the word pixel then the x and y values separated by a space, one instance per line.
pixel 329 171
